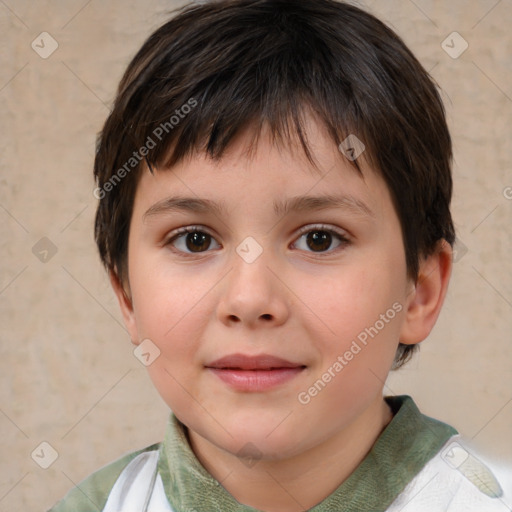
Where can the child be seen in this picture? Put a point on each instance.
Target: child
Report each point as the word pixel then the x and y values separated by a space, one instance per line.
pixel 274 184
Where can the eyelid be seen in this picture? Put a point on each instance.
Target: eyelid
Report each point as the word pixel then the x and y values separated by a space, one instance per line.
pixel 189 229
pixel 323 227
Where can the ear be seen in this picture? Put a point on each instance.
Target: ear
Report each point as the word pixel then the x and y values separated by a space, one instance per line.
pixel 125 303
pixel 427 296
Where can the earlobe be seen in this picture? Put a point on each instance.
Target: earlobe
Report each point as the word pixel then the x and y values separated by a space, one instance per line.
pixel 126 306
pixel 426 299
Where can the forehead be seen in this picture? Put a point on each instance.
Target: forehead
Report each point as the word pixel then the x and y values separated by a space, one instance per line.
pixel 265 175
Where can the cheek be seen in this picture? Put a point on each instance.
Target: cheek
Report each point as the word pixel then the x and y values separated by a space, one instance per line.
pixel 356 317
pixel 167 299
pixel 176 324
pixel 172 306
pixel 350 302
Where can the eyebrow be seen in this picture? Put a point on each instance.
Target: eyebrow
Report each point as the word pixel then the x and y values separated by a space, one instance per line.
pixel 281 208
pixel 323 202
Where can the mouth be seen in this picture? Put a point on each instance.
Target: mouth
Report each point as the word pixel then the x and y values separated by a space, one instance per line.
pixel 254 373
pixel 252 363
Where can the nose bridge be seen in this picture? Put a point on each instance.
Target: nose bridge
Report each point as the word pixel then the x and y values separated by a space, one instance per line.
pixel 250 264
pixel 252 291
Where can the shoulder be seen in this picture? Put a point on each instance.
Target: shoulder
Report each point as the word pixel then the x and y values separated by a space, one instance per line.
pixel 92 493
pixel 456 480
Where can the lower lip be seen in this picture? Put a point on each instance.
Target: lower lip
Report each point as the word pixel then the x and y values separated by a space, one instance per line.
pixel 256 380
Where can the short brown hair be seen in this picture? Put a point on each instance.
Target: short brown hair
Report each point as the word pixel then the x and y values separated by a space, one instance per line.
pixel 235 63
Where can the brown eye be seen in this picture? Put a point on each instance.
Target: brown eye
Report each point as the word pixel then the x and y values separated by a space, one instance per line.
pixel 198 241
pixel 321 241
pixel 192 241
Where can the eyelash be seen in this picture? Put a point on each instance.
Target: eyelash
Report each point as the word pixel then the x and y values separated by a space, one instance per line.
pixel 344 241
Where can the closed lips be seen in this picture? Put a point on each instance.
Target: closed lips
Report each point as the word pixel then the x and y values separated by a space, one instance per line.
pixel 254 363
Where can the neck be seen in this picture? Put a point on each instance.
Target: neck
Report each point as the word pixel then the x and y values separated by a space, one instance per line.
pixel 298 483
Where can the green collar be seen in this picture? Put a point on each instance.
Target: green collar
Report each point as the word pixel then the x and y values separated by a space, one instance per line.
pixel 404 447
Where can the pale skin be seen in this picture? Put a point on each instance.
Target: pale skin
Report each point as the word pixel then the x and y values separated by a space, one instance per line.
pixel 295 301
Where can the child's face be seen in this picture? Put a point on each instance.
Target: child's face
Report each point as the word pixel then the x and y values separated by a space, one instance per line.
pixel 303 299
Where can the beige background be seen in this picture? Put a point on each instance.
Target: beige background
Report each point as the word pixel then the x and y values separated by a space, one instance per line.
pixel 68 373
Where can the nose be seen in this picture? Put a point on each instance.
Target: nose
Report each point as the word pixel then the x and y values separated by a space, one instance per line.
pixel 253 295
